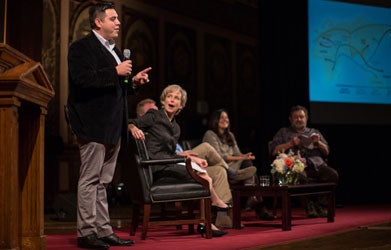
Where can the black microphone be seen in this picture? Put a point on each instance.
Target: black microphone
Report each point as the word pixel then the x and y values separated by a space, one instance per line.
pixel 127 57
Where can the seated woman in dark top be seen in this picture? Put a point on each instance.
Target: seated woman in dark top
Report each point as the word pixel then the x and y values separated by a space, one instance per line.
pixel 162 136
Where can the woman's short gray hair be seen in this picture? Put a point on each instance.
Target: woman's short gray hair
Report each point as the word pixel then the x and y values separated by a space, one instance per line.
pixel 171 88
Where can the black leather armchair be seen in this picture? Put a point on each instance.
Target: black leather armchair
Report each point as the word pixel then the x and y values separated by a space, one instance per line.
pixel 146 192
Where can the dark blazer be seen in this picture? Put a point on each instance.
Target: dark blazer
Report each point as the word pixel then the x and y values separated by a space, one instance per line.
pixel 97 100
pixel 163 134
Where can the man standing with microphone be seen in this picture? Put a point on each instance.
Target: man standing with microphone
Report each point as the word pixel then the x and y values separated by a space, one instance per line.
pixel 97 106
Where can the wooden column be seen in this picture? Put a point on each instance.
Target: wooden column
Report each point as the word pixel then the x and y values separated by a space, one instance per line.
pixel 24 95
pixel 9 180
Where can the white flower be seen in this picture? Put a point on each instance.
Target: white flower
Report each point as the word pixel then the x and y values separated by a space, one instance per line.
pixel 279 165
pixel 288 162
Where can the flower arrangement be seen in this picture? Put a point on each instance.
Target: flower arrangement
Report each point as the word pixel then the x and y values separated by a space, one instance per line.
pixel 287 167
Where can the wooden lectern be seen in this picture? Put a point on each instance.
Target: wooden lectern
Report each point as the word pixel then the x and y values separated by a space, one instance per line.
pixel 25 93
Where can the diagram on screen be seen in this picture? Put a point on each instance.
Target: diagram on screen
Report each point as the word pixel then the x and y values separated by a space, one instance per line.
pixel 349 54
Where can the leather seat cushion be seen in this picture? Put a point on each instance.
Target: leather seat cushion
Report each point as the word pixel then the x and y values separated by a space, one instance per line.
pixel 178 191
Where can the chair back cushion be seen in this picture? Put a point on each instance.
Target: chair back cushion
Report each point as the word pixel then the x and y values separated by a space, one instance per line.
pixel 189 144
pixel 142 150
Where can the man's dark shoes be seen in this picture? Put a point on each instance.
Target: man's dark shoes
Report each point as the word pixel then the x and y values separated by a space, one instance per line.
pixel 91 242
pixel 114 240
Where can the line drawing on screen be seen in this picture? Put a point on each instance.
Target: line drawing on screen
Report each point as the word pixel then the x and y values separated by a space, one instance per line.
pixel 349 52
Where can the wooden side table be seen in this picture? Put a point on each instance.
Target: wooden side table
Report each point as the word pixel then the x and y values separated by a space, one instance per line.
pixel 285 193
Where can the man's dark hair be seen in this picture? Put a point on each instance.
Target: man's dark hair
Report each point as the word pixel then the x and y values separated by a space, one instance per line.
pixel 98 11
pixel 297 108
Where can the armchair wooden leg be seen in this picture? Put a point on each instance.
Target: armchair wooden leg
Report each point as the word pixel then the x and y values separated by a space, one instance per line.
pixel 178 209
pixel 207 215
pixel 135 219
pixel 146 217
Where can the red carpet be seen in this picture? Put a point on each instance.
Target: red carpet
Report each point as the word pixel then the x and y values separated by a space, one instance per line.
pixel 255 234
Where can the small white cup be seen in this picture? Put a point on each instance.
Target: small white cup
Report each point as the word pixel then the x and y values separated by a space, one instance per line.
pixel 264 180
